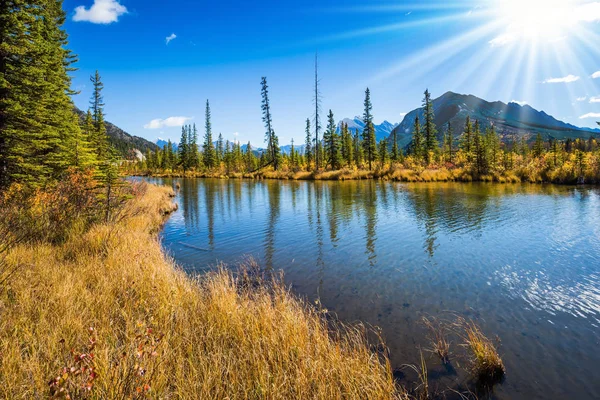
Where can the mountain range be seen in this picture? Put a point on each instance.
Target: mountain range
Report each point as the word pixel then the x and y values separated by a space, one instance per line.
pixel 382 131
pixel 121 140
pixel 510 120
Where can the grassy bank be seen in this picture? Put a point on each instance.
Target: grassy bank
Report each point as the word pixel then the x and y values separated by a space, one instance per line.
pixel 104 314
pixel 397 173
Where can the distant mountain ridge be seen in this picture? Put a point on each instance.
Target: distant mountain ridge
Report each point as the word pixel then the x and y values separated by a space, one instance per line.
pixel 510 120
pixel 121 140
pixel 382 130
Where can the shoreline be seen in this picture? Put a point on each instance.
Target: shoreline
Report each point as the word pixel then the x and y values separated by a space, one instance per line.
pixel 122 319
pixel 402 175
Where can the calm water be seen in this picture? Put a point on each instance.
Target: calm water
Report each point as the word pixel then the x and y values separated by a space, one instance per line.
pixel 523 261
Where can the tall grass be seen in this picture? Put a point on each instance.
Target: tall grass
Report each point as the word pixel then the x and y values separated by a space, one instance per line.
pixel 105 314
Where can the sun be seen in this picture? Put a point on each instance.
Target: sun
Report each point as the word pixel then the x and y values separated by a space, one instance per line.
pixel 537 19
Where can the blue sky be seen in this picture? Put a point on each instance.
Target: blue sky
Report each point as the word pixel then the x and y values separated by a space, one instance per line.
pixel 161 60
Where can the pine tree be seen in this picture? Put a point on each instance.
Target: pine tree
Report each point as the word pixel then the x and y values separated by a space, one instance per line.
pixel 538 147
pixel 448 143
pixel 99 140
pixel 37 127
pixel 358 149
pixel 250 158
pixel 332 143
pixel 270 137
pixel 429 127
pixel 480 150
pixel 466 143
pixel 308 145
pixel 292 155
pixel 317 101
pixel 193 147
pixel 383 152
pixel 369 141
pixel 348 147
pixel 183 150
pixel 395 148
pixel 220 150
pixel 418 141
pixel 208 150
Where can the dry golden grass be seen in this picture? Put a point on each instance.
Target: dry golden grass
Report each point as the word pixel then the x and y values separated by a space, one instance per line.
pixel 486 362
pixel 106 315
pixel 438 337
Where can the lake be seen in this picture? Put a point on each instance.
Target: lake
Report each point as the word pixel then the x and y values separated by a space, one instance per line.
pixel 523 261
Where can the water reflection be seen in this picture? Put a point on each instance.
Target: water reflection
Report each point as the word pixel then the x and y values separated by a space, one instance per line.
pixel 522 259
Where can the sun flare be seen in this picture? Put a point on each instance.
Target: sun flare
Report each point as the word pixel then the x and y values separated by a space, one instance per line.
pixel 535 19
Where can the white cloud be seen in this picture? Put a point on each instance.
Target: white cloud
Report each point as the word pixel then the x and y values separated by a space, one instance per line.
pixel 172 36
pixel 566 79
pixel 502 40
pixel 590 115
pixel 595 99
pixel 596 75
pixel 101 12
pixel 167 122
pixel 584 98
pixel 521 103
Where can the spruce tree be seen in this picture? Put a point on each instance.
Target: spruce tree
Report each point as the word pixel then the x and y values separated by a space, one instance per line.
pixel 208 150
pixel 317 101
pixel 538 147
pixel 183 150
pixel 448 143
pixel 466 143
pixel 358 149
pixel 308 145
pixel 220 150
pixel 418 141
pixel 383 152
pixel 193 147
pixel 270 137
pixel 332 143
pixel 99 140
pixel 347 145
pixel 429 127
pixel 37 127
pixel 395 148
pixel 369 140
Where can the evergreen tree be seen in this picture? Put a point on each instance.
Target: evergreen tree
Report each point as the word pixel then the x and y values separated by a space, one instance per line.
pixel 369 140
pixel 270 137
pixel 38 131
pixel 220 151
pixel 538 147
pixel 193 147
pixel 347 145
pixel 429 127
pixel 208 150
pixel 358 149
pixel 317 101
pixel 332 143
pixel 308 145
pixel 448 143
pixel 395 148
pixel 383 152
pixel 99 140
pixel 418 141
pixel 250 158
pixel 480 150
pixel 183 150
pixel 170 155
pixel 292 155
pixel 466 143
